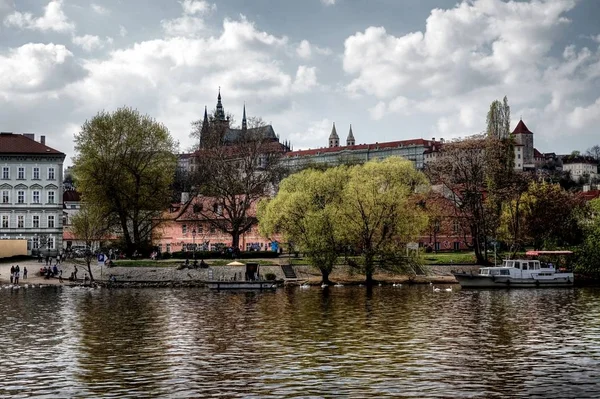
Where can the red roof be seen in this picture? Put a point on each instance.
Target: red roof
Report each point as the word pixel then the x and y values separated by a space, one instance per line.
pixel 521 128
pixel 71 196
pixel 370 147
pixel 11 143
pixel 589 195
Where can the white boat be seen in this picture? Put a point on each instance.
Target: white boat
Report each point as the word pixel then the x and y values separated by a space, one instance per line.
pixel 519 273
pixel 242 285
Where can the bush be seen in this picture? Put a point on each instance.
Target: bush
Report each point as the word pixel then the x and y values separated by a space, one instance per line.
pixel 165 255
pixel 270 276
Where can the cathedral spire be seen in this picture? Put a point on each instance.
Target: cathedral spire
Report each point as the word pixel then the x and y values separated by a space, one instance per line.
pixel 334 139
pixel 220 111
pixel 204 128
pixel 350 140
pixel 244 123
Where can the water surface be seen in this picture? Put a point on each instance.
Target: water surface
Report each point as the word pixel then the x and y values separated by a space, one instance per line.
pixel 346 342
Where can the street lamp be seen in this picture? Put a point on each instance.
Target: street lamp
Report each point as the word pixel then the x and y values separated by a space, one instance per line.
pixel 194 242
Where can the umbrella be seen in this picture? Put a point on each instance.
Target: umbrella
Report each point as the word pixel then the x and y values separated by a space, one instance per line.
pixel 235 263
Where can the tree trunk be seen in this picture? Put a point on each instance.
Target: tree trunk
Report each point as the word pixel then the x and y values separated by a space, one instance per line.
pixel 235 239
pixel 369 268
pixel 89 267
pixel 325 276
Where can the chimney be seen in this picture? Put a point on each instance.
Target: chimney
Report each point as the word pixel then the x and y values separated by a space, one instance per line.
pixel 433 139
pixel 43 140
pixel 185 197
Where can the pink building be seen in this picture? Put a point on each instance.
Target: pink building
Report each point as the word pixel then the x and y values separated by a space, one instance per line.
pixel 196 222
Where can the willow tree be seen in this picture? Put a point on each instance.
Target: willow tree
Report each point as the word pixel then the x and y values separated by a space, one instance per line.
pixel 380 211
pixel 125 164
pixel 90 225
pixel 306 210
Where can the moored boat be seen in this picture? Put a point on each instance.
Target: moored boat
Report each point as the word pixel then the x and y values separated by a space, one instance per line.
pixel 519 273
pixel 242 285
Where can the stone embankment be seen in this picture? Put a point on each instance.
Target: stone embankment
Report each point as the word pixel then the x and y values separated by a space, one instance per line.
pixel 166 276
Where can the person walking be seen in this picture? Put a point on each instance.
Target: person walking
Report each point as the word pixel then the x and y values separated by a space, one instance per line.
pixel 12 273
pixel 25 273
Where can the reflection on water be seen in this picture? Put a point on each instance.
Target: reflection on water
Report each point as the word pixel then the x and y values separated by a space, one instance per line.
pixel 340 342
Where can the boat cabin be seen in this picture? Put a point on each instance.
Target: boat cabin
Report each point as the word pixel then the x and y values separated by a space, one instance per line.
pixel 514 265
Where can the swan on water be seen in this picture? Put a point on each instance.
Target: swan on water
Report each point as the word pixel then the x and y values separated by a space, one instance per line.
pixel 436 289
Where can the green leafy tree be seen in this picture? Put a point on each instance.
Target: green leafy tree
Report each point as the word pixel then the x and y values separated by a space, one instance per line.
pixel 380 212
pixel 498 119
pixel 588 254
pixel 125 164
pixel 90 225
pixel 306 211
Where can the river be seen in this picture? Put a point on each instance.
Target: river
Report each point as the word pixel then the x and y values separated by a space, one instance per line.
pixel 347 342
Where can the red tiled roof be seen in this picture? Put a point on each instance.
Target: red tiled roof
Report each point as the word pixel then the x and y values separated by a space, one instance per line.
pixel 537 154
pixel 370 147
pixel 521 128
pixel 11 143
pixel 590 195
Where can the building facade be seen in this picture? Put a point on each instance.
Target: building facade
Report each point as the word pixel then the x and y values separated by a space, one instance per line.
pixel 584 168
pixel 31 193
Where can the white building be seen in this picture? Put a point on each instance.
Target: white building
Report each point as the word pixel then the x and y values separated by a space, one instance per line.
pixel 31 208
pixel 581 167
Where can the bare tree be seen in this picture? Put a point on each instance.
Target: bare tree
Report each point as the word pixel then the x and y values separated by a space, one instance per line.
pixel 235 169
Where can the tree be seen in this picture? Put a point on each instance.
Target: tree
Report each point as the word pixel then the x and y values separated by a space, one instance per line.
pixel 125 164
pixel 594 152
pixel 498 119
pixel 550 216
pixel 380 212
pixel 306 211
pixel 90 225
pixel 236 176
pixel 460 171
pixel 588 254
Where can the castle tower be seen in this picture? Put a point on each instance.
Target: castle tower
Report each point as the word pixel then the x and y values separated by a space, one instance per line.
pixel 220 112
pixel 204 131
pixel 334 139
pixel 350 140
pixel 244 123
pixel 524 139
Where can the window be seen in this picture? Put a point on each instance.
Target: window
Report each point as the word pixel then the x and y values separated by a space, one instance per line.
pixel 36 221
pixel 437 246
pixel 168 248
pixel 36 173
pixel 5 221
pixel 73 206
pixel 184 229
pixel 455 226
pixel 21 173
pixel 20 197
pixel 36 197
pixel 20 221
pixel 5 197
pixel 51 197
pixel 50 242
pixel 5 173
pixel 36 242
pixel 51 221
pixel 212 229
pixel 456 246
pixel 519 156
pixel 50 173
pixel 200 229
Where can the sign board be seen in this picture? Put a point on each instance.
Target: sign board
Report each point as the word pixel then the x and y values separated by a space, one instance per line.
pixel 100 259
pixel 413 245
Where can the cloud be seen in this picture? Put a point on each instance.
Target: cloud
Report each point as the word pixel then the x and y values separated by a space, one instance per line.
pixel 122 31
pixel 328 2
pixel 191 23
pixel 37 68
pixel 305 50
pixel 470 55
pixel 314 132
pixel 98 9
pixel 582 117
pixel 91 42
pixel 306 79
pixel 54 19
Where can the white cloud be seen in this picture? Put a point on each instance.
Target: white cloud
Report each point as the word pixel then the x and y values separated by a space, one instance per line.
pixel 201 7
pixel 470 55
pixel 37 67
pixel 582 117
pixel 328 2
pixel 303 49
pixel 98 9
pixel 191 23
pixel 122 31
pixel 91 42
pixel 306 79
pixel 54 19
pixel 315 132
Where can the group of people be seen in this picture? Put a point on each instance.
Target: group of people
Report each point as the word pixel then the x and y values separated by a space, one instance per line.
pixel 49 259
pixel 15 274
pixel 51 271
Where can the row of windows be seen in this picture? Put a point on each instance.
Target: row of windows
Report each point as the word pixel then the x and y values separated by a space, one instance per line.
pixel 35 242
pixel 21 173
pixel 22 197
pixel 20 221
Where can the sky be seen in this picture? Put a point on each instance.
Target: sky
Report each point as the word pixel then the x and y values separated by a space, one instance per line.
pixel 393 69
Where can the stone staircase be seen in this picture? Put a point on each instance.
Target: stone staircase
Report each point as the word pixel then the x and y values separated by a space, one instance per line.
pixel 289 272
